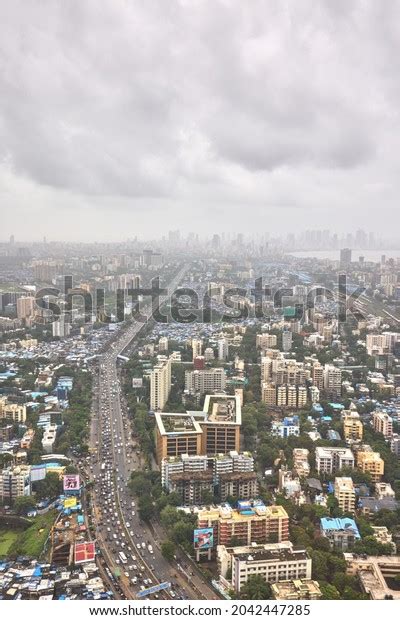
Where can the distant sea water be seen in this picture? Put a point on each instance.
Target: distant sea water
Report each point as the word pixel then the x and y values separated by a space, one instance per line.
pixel 371 256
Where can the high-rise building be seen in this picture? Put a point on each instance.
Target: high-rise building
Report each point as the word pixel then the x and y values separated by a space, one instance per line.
pixel 209 354
pixel 332 380
pixel 209 380
pixel 266 341
pixel 62 327
pixel 352 426
pixel 15 482
pixel 220 421
pixel 301 464
pixel 216 427
pixel 160 384
pixel 197 347
pixel 12 412
pixel 383 423
pixel 371 462
pixel 251 522
pixel 291 396
pixel 177 434
pixel 163 344
pixel 345 494
pixel 225 475
pixel 286 341
pixel 345 257
pixel 318 376
pixel 25 307
pixel 395 444
pixel 223 349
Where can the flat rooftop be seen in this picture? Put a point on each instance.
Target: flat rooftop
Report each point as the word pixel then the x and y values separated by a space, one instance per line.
pixel 222 409
pixel 257 554
pixel 176 423
pixel 254 511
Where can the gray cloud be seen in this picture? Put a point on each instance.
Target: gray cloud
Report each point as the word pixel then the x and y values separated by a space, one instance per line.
pixel 180 106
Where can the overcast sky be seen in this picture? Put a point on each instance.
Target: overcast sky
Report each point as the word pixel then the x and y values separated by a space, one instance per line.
pixel 132 118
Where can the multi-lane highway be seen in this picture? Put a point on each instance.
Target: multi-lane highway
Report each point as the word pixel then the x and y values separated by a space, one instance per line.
pixel 127 543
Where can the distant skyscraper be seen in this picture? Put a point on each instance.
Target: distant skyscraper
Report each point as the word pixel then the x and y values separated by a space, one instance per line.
pixel 216 242
pixel 223 349
pixel 286 341
pixel 345 257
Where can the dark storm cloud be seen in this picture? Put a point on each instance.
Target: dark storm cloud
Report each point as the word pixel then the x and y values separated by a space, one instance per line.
pixel 136 106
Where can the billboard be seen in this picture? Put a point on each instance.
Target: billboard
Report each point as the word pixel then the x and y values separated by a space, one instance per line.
pixel 137 383
pixel 38 472
pixel 204 538
pixel 72 482
pixel 70 502
pixel 165 585
pixel 84 552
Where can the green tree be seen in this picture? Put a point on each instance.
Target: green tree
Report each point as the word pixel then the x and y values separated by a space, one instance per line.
pixel 256 589
pixel 50 487
pixel 24 504
pixel 146 508
pixel 329 592
pixel 169 516
pixel 168 550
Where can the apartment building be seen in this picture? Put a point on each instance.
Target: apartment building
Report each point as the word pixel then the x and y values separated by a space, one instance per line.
pixel 226 475
pixel 290 396
pixel 329 460
pixel 163 344
pixel 332 380
pixel 318 376
pixel 382 423
pixel 341 533
pixel 205 381
pixel 352 426
pixel 251 522
pixel 12 412
pixel 15 482
pixel 25 307
pixel 197 348
pixel 301 464
pixel 345 494
pixel 314 394
pixel 266 341
pixel 395 444
pixel 160 384
pixel 27 439
pixel 371 462
pixel 381 344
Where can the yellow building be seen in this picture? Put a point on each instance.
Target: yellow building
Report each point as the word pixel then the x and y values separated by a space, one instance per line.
pixel 12 412
pixel 371 462
pixel 345 494
pixel 352 426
